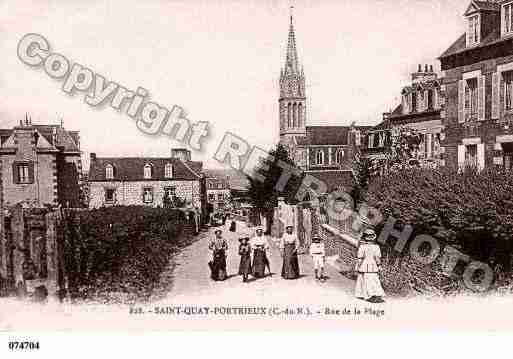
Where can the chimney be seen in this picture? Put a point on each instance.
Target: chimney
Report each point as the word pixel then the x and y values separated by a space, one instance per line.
pixel 420 68
pixel 92 156
pixel 426 68
pixel 431 68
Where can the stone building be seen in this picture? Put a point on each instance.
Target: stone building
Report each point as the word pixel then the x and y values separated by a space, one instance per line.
pixel 419 110
pixel 478 82
pixel 218 193
pixel 146 180
pixel 326 152
pixel 40 165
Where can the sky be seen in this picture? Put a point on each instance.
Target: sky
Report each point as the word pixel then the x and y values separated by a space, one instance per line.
pixel 220 61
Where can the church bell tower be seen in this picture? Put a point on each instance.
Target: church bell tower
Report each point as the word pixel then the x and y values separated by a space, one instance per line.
pixel 292 101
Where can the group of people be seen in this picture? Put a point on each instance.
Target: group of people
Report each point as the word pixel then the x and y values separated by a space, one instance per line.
pixel 254 255
pixel 254 259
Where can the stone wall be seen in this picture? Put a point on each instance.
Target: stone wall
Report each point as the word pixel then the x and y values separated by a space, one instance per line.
pixel 341 245
pixel 131 193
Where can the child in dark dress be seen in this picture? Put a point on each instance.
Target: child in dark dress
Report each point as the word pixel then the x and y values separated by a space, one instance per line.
pixel 245 258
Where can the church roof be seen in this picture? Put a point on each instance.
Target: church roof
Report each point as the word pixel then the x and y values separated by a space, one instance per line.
pixel 334 179
pixel 327 135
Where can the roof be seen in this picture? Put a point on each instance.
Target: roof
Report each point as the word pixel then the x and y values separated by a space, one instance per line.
pixel 68 141
pixel 334 179
pixel 460 45
pixel 482 6
pixel 132 168
pixel 327 135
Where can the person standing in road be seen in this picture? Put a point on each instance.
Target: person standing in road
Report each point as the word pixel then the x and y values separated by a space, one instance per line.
pixel 289 246
pixel 368 285
pixel 218 246
pixel 260 248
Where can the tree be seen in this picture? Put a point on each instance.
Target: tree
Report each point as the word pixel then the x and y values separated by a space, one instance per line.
pixel 263 194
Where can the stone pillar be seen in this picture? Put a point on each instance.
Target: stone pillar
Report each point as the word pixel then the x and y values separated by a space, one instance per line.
pixel 18 236
pixel 52 256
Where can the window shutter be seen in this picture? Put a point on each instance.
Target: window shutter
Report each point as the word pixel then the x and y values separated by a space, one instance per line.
pixel 495 95
pixel 31 172
pixel 15 173
pixel 481 98
pixel 461 156
pixel 480 156
pixel 461 101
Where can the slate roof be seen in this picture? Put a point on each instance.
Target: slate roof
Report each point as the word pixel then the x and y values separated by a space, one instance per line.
pixel 326 135
pixel 132 168
pixel 68 141
pixel 334 179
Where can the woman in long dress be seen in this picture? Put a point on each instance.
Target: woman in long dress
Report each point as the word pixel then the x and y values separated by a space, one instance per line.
pixel 218 246
pixel 368 285
pixel 245 258
pixel 289 246
pixel 259 247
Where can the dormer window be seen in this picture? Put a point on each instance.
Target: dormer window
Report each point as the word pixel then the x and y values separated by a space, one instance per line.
pixel 147 171
pixel 109 172
pixel 473 30
pixel 168 170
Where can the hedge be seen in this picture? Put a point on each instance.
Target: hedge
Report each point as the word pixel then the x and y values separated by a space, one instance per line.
pixel 471 211
pixel 118 253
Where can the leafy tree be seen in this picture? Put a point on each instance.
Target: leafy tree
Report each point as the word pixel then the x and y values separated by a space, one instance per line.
pixel 263 194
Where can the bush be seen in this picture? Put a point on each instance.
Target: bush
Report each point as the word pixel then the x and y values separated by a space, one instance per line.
pixel 471 211
pixel 120 250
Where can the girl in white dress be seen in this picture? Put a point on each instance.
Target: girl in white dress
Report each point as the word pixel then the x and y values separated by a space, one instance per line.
pixel 368 285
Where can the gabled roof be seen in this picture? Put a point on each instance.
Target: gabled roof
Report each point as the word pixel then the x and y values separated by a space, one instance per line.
pixel 327 135
pixel 67 141
pixel 132 168
pixel 482 6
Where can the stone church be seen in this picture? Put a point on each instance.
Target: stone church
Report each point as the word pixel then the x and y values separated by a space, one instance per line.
pixel 325 152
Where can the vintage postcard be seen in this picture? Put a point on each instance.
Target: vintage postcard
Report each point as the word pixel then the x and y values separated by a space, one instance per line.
pixel 255 165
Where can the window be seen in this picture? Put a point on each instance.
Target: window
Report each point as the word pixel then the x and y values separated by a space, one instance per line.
pixel 508 18
pixel 471 156
pixel 508 89
pixel 147 171
pixel 339 156
pixel 357 138
pixel 220 197
pixel 170 192
pixel 473 30
pixel 147 195
pixel 220 186
pixel 211 197
pixel 320 157
pixel 430 99
pixel 23 173
pixel 109 172
pixel 371 140
pixel 471 99
pixel 168 170
pixel 110 195
pixel 413 102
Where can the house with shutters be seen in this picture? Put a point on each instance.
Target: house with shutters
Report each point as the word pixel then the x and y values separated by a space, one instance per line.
pixel 478 84
pixel 218 193
pixel 40 165
pixel 147 181
pixel 419 110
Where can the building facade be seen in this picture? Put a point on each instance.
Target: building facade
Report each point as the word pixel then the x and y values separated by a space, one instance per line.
pixel 421 104
pixel 146 181
pixel 325 152
pixel 218 193
pixel 40 165
pixel 478 82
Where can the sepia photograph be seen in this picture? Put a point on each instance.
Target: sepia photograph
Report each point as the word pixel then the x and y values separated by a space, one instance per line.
pixel 226 165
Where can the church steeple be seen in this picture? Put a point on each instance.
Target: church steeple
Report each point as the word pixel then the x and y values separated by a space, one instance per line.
pixel 291 62
pixel 292 91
